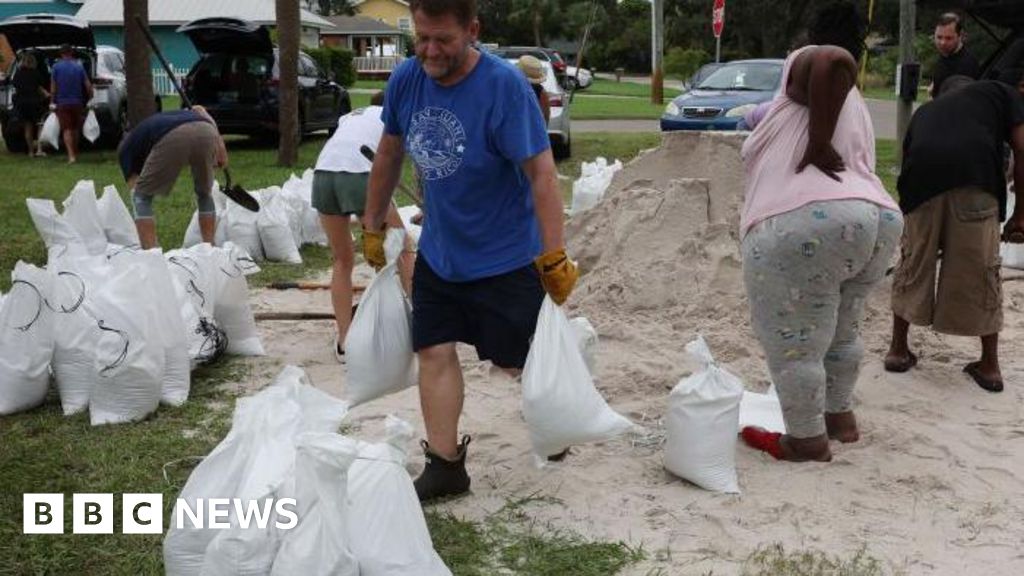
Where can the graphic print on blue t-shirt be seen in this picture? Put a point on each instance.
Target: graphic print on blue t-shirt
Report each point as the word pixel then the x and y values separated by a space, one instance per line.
pixel 437 142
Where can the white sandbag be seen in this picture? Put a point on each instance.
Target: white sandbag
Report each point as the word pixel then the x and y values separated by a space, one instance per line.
pixel 50 133
pixel 702 424
pixel 379 359
pixel 51 225
pixel 229 267
pixel 129 358
pixel 320 545
pixel 26 339
pixel 561 405
pixel 118 224
pixel 254 459
pixel 586 340
pixel 406 213
pixel 91 126
pixel 595 177
pixel 192 233
pixel 82 213
pixel 275 231
pixel 299 194
pixel 170 329
pixel 763 410
pixel 241 228
pixel 74 355
pixel 385 520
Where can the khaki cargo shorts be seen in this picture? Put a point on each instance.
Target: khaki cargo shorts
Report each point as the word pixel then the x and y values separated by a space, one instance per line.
pixel 194 144
pixel 966 299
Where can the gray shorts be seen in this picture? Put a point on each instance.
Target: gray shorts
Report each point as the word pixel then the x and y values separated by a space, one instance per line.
pixel 194 144
pixel 340 193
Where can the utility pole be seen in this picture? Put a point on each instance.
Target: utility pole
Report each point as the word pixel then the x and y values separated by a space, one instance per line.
pixel 904 104
pixel 657 50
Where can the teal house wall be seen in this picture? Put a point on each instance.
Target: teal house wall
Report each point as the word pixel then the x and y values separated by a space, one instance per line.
pixel 176 48
pixel 8 9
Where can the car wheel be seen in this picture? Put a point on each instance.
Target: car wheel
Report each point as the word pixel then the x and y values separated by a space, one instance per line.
pixel 113 137
pixel 561 149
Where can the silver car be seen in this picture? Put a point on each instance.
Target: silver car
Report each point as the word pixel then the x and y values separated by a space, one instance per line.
pixel 559 125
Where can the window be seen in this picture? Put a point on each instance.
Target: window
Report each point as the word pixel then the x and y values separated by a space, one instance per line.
pixel 405 24
pixel 307 67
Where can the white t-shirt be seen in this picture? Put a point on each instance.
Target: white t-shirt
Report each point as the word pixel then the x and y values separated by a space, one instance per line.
pixel 360 127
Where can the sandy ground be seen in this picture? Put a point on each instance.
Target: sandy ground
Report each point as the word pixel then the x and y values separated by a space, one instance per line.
pixel 934 486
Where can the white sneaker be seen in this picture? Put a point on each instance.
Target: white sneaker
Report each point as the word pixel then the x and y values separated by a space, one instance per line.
pixel 339 354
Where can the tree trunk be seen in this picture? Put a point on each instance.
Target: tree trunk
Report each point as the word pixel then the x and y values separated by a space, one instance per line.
pixel 288 32
pixel 138 75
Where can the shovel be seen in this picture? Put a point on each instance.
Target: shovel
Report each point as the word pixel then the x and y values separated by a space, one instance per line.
pixel 234 192
pixel 367 153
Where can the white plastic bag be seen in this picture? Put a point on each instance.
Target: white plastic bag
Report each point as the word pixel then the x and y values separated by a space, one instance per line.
pixel 254 459
pixel 379 359
pixel 51 225
pixel 129 357
pixel 561 406
pixel 118 224
pixel 586 339
pixel 229 267
pixel 386 524
pixel 241 228
pixel 82 213
pixel 702 424
pixel 762 410
pixel 91 127
pixel 595 177
pixel 320 544
pixel 50 133
pixel 26 339
pixel 74 355
pixel 406 213
pixel 275 231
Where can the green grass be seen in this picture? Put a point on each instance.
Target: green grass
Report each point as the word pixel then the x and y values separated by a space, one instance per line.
pixel 776 561
pixel 597 107
pixel 605 87
pixel 370 84
pixel 885 164
pixel 880 93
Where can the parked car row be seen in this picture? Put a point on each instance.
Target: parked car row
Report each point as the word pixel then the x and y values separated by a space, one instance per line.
pixel 236 77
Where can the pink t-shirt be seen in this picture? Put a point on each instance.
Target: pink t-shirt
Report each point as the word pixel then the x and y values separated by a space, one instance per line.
pixel 773 150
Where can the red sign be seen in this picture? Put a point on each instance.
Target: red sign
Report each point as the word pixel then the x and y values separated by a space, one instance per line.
pixel 718 18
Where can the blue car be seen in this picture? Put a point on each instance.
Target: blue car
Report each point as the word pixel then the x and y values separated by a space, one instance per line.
pixel 719 101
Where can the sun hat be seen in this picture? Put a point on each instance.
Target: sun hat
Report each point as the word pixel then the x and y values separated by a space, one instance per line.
pixel 533 69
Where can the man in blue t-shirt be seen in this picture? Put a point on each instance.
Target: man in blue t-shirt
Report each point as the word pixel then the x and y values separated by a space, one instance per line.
pixel 492 240
pixel 154 152
pixel 70 89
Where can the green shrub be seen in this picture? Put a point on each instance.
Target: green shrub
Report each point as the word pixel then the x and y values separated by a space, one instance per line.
pixel 337 61
pixel 682 63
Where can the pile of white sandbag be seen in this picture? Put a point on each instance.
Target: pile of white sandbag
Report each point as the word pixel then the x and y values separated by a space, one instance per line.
pixel 356 508
pixel 286 221
pixel 588 189
pixel 118 329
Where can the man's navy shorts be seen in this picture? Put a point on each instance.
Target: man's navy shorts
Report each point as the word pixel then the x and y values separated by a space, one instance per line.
pixel 497 315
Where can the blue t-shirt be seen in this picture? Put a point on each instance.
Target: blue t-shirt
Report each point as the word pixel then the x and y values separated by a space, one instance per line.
pixel 137 145
pixel 69 77
pixel 468 142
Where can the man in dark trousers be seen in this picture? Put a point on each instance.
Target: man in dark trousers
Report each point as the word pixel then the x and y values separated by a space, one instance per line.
pixel 953 194
pixel 153 154
pixel 70 90
pixel 954 58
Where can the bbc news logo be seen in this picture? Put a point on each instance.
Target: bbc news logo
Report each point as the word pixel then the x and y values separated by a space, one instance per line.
pixel 143 513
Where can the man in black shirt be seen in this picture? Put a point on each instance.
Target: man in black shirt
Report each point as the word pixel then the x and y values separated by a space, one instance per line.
pixel 954 58
pixel 953 194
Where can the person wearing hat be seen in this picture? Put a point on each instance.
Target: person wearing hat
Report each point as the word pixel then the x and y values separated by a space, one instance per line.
pixel 534 71
pixel 70 89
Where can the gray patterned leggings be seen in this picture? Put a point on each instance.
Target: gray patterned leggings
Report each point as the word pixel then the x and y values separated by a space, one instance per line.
pixel 807 273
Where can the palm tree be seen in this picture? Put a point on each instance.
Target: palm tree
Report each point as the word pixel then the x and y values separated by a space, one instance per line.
pixel 288 32
pixel 138 75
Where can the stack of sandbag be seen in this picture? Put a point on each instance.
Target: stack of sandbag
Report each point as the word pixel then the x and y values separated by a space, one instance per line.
pixel 298 193
pixel 357 511
pixel 561 405
pixel 85 221
pixel 589 188
pixel 379 358
pixel 26 339
pixel 702 424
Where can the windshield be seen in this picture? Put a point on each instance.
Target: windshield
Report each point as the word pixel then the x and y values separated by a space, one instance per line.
pixel 750 76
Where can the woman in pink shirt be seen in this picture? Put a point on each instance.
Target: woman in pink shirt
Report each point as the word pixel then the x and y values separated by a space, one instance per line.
pixel 818 231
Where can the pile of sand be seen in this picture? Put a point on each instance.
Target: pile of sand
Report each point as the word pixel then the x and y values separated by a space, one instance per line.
pixel 933 487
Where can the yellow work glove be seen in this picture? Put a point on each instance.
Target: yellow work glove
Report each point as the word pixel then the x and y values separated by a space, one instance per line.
pixel 557 274
pixel 373 248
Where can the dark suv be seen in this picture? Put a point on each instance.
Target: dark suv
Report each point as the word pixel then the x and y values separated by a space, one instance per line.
pixel 237 79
